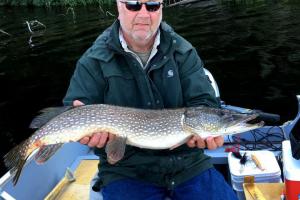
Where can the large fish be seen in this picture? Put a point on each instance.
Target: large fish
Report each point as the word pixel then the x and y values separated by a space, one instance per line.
pixel 151 129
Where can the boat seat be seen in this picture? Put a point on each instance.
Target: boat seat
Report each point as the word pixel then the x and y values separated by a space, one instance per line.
pixel 212 82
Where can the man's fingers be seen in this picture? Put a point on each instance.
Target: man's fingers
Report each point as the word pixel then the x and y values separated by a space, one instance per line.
pixel 196 141
pixel 84 140
pixel 219 141
pixel 192 142
pixel 211 143
pixel 102 140
pixel 200 143
pixel 94 140
pixel 77 103
pixel 97 139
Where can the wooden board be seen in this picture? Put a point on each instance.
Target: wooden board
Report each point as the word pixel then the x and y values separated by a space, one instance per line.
pixel 270 191
pixel 80 188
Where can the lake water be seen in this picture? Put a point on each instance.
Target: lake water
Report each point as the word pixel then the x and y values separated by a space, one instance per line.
pixel 252 47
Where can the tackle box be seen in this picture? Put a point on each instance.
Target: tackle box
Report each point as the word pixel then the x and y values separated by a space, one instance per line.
pixel 271 172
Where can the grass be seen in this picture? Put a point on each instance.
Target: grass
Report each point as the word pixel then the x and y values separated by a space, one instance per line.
pixel 50 3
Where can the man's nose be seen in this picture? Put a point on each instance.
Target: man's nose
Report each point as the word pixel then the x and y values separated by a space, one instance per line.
pixel 144 9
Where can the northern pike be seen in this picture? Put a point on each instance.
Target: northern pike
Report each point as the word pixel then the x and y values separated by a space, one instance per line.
pixel 143 128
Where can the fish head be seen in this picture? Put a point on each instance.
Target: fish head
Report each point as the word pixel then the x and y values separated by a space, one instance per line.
pixel 207 121
pixel 200 119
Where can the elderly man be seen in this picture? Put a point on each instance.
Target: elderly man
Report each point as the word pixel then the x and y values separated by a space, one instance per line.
pixel 141 62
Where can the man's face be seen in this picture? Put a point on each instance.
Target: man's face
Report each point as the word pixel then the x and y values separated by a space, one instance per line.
pixel 140 25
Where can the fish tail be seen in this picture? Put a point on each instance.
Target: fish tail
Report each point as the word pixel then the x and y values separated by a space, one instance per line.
pixel 16 158
pixel 18 171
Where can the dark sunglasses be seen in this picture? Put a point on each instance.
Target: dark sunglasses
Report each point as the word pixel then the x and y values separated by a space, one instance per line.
pixel 151 6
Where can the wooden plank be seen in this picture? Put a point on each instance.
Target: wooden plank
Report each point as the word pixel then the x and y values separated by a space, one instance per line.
pixel 270 191
pixel 86 171
pixel 79 189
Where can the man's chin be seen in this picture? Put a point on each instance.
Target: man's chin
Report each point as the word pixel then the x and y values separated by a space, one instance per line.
pixel 143 38
pixel 141 35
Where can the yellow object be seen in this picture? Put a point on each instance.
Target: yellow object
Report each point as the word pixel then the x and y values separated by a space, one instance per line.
pixel 263 191
pixel 78 189
pixel 254 191
pixel 257 162
pixel 69 177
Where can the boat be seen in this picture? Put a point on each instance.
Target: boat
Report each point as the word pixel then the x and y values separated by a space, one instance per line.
pixel 48 181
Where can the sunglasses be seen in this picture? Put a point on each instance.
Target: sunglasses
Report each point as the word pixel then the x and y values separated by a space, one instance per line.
pixel 151 6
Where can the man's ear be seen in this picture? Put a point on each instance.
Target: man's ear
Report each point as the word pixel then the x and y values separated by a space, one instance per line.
pixel 118 4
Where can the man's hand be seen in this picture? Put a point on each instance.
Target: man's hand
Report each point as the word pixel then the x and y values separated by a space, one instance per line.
pixel 98 139
pixel 210 142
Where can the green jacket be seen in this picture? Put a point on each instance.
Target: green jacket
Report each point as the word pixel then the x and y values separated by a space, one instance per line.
pixel 174 78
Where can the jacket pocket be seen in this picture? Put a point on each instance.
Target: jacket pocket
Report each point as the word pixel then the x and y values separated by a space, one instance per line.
pixel 121 87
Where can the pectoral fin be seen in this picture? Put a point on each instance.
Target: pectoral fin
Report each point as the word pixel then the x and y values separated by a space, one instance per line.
pixel 45 152
pixel 115 149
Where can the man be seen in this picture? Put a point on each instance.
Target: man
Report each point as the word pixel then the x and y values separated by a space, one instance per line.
pixel 141 62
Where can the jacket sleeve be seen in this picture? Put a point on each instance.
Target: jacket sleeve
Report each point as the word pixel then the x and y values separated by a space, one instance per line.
pixel 196 87
pixel 87 83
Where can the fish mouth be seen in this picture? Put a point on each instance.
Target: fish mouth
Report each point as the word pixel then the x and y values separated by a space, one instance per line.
pixel 244 127
pixel 257 124
pixel 253 119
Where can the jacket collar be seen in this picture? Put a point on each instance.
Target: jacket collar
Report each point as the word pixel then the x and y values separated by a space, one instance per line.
pixel 100 49
pixel 108 43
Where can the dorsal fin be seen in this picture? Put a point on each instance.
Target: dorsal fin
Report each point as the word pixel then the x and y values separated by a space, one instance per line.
pixel 46 115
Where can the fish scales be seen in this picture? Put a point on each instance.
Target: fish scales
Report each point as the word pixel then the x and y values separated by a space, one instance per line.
pixel 163 128
pixel 144 128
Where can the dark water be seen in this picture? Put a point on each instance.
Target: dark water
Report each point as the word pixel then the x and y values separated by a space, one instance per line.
pixel 251 47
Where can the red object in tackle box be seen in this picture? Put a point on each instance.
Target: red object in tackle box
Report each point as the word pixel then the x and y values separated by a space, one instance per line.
pixel 291 171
